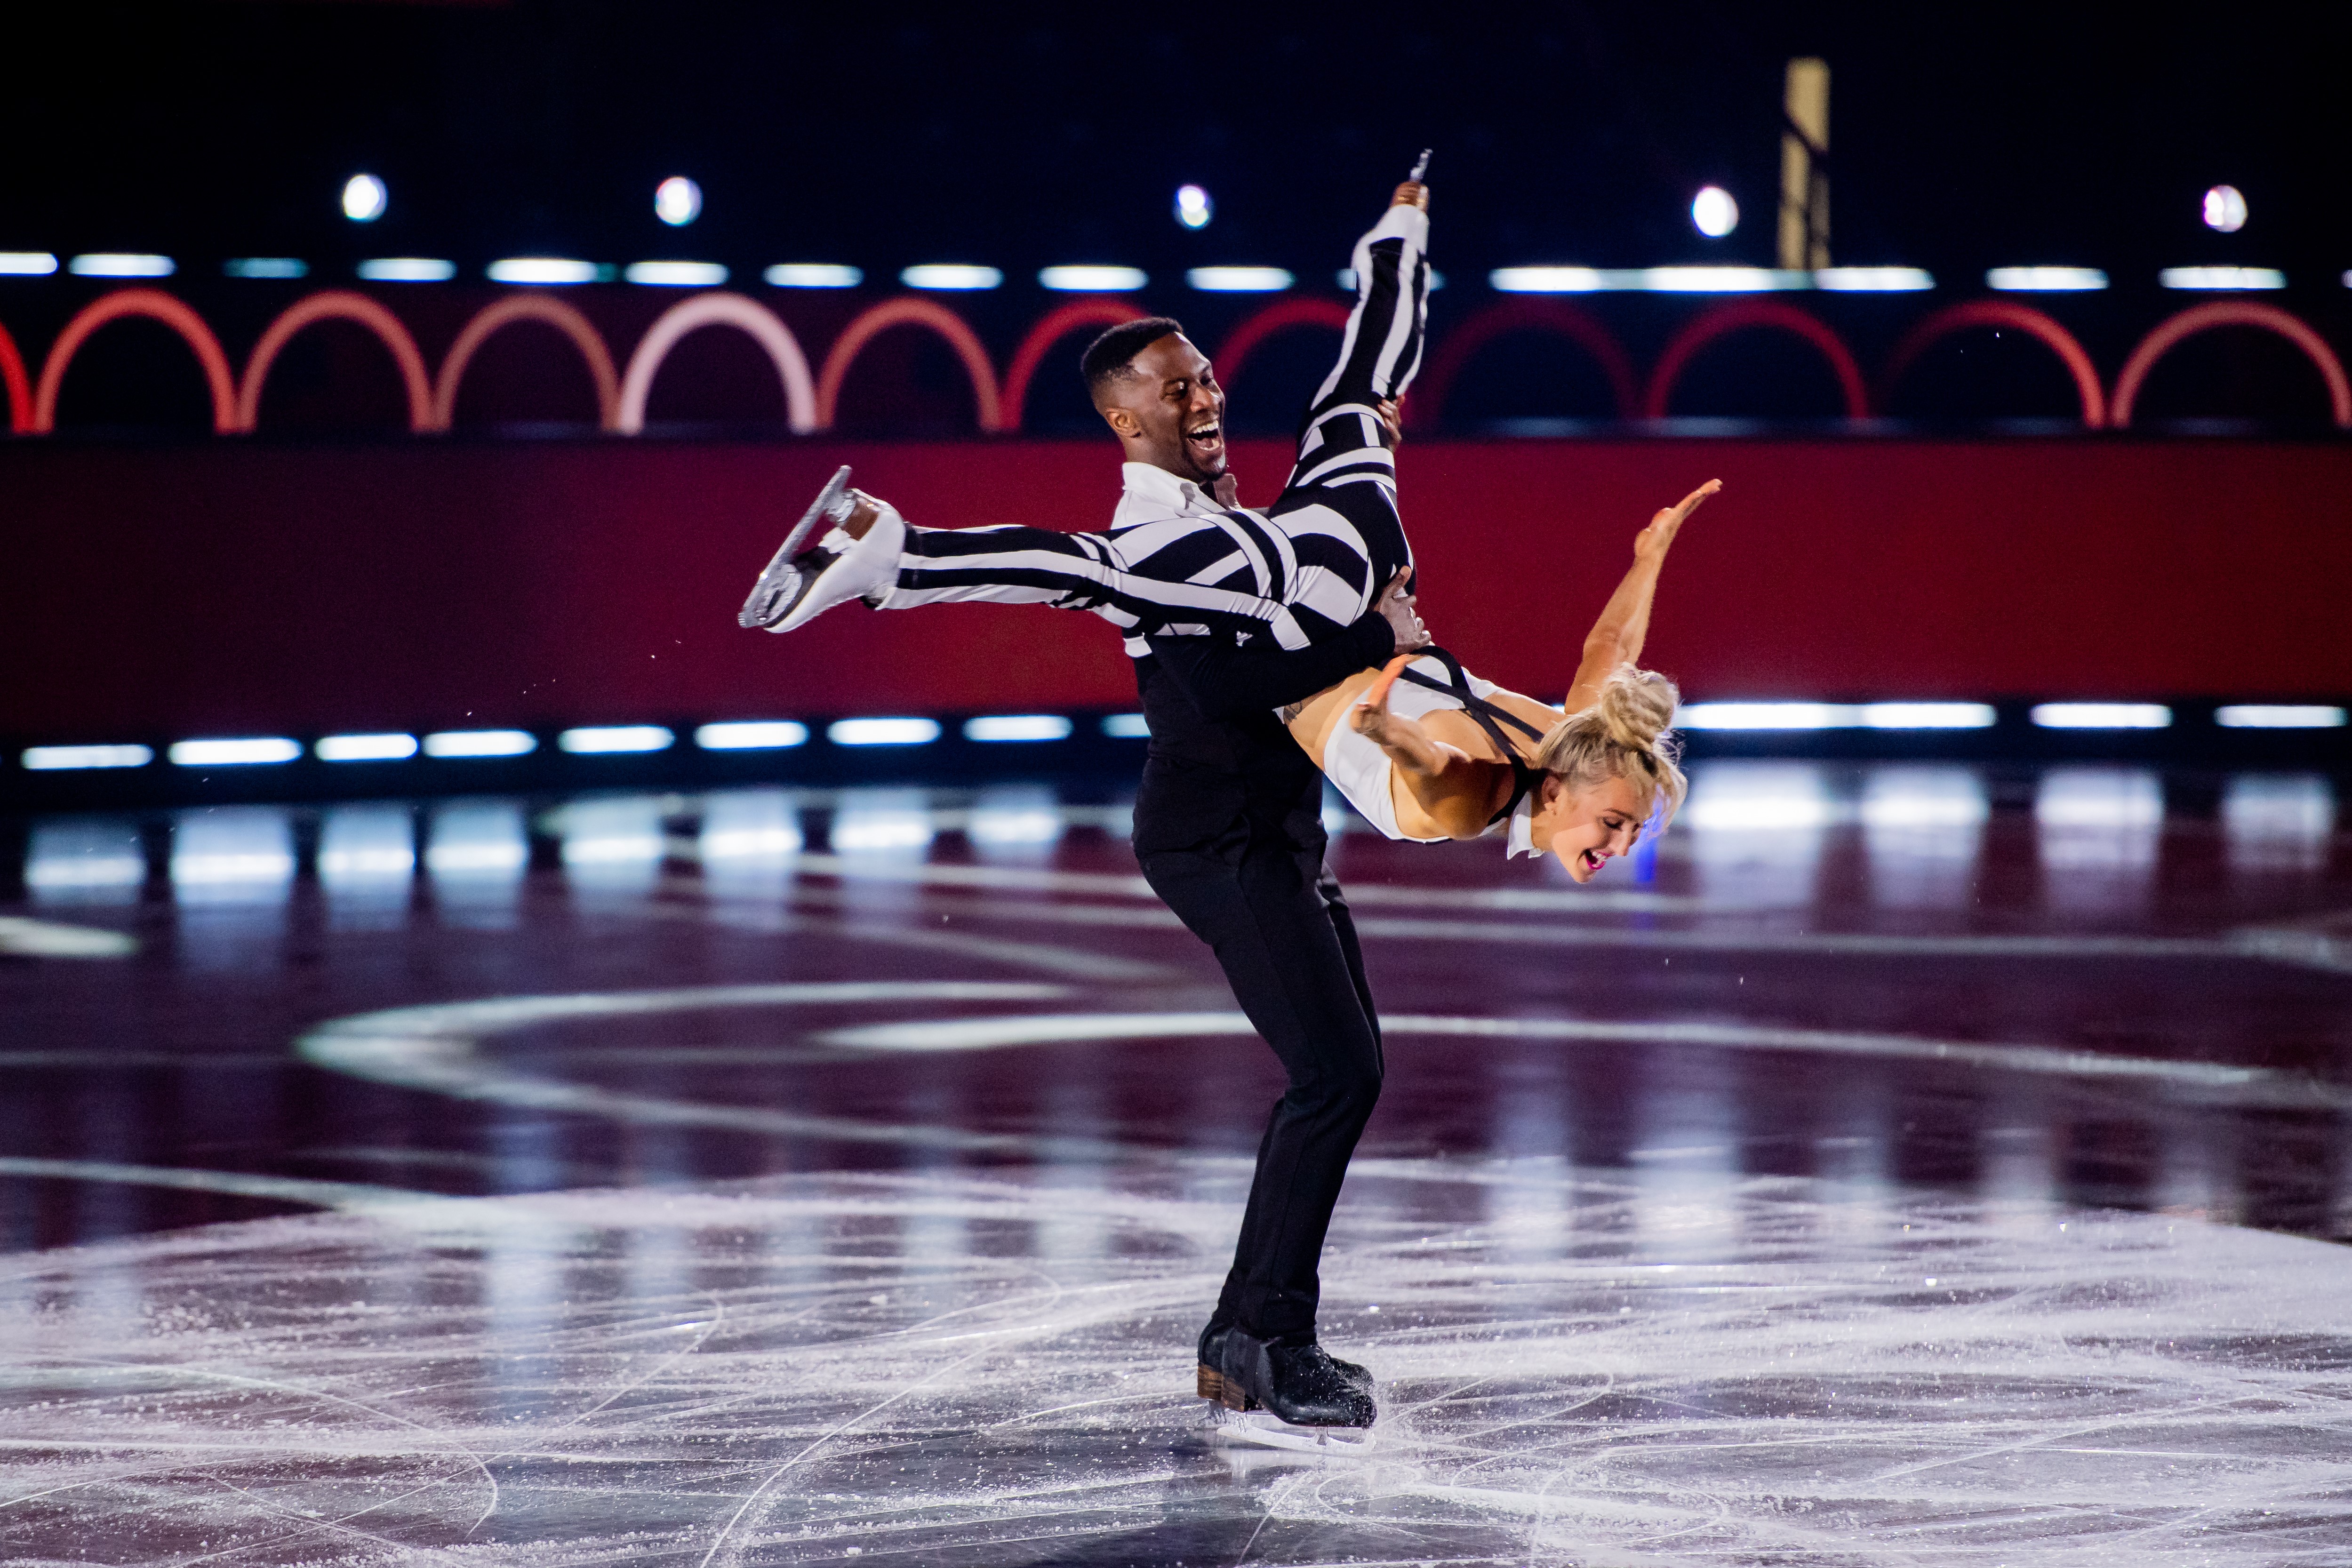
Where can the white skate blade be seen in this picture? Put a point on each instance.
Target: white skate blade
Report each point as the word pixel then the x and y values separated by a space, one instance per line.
pixel 1263 1429
pixel 776 584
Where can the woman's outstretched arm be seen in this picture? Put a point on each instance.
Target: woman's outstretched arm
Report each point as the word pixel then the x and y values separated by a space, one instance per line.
pixel 1617 637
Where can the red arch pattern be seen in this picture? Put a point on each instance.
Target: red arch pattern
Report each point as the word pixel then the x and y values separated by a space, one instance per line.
pixel 1058 324
pixel 32 409
pixel 20 391
pixel 337 304
pixel 909 312
pixel 1278 317
pixel 1500 319
pixel 2002 313
pixel 2232 313
pixel 564 319
pixel 156 305
pixel 1742 315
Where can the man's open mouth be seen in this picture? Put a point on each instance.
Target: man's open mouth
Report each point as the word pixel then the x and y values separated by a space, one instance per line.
pixel 1207 435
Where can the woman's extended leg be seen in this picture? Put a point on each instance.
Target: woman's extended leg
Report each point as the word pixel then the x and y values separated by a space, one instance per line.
pixel 1138 578
pixel 1338 509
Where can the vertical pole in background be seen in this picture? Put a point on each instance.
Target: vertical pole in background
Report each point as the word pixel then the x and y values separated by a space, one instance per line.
pixel 1805 167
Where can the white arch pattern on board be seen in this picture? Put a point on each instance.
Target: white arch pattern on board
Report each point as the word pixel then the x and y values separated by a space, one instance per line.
pixel 719 308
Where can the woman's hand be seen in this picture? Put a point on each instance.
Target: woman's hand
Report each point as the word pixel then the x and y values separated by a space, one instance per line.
pixel 1408 745
pixel 1652 543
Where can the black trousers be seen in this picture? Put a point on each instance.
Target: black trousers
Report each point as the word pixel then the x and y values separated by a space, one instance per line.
pixel 1274 914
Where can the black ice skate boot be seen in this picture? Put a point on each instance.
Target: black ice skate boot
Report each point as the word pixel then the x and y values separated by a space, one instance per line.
pixel 1210 1381
pixel 1299 1385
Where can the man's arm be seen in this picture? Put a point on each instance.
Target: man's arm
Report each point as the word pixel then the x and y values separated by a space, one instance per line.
pixel 1226 681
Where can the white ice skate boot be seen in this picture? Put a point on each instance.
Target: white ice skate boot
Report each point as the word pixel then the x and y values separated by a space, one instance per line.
pixel 857 554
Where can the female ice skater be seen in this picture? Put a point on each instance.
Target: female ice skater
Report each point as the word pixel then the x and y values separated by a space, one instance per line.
pixel 1426 750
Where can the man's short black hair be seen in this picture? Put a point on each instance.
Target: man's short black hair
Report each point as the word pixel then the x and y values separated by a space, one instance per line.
pixel 1108 356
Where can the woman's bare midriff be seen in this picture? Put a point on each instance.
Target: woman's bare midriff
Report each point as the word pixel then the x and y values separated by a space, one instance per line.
pixel 1481 787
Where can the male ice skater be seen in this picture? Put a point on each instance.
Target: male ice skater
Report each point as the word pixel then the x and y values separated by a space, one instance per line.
pixel 1230 614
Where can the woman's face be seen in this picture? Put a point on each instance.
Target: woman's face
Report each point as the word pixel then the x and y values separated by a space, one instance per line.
pixel 1586 828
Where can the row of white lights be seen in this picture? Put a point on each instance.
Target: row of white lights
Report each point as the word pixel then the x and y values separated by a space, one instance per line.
pixel 556 270
pixel 782 734
pixel 1982 716
pixel 601 740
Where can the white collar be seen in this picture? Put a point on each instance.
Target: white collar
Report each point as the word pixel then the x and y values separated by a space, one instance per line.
pixel 1177 493
pixel 1522 840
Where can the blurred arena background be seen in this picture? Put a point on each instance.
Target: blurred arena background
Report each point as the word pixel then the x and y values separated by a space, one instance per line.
pixel 400 369
pixel 497 1060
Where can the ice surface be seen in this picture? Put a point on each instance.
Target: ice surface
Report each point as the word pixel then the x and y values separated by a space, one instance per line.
pixel 1595 1368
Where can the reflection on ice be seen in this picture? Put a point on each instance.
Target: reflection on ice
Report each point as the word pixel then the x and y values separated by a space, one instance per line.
pixel 2278 821
pixel 897 822
pixel 1574 1368
pixel 1755 831
pixel 1015 819
pixel 232 856
pixel 1924 827
pixel 749 825
pixel 83 861
pixel 611 841
pixel 476 853
pixel 477 840
pixel 366 847
pixel 2099 829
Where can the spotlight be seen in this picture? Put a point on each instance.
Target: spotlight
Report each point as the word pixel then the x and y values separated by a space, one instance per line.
pixel 1714 212
pixel 1193 207
pixel 2221 278
pixel 677 201
pixel 365 198
pixel 1017 727
pixel 675 274
pixel 883 732
pixel 1092 279
pixel 813 275
pixel 407 269
pixel 118 264
pixel 2225 209
pixel 542 270
pixel 1239 280
pixel 951 275
pixel 2045 280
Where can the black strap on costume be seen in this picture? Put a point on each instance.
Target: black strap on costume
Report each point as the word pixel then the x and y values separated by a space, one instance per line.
pixel 1490 718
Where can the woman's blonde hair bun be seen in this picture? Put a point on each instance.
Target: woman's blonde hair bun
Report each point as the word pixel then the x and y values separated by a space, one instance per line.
pixel 1626 734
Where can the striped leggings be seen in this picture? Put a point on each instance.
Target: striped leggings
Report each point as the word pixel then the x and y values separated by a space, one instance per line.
pixel 1311 563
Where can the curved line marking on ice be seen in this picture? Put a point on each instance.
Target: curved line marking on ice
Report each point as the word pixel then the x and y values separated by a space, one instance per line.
pixel 1031 879
pixel 2301 947
pixel 24 938
pixel 433 1048
pixel 357 1197
pixel 2242 1084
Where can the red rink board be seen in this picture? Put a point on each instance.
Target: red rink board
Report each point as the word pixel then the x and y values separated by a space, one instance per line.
pixel 222 588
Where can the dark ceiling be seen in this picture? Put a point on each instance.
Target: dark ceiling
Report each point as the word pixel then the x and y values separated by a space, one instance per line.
pixel 1962 136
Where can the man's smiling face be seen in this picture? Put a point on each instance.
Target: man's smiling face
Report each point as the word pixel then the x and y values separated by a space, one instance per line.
pixel 1168 410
